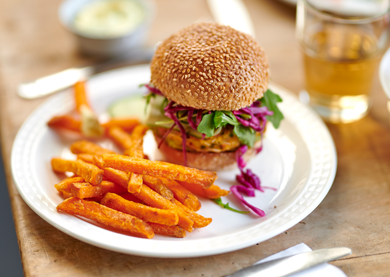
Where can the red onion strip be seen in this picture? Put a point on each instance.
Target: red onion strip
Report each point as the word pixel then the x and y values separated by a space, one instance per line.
pixel 236 191
pixel 165 135
pixel 154 90
pixel 190 121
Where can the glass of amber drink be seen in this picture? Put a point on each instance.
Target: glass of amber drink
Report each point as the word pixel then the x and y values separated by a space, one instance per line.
pixel 342 42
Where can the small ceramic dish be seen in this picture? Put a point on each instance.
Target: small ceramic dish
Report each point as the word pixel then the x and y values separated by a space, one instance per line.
pixel 101 45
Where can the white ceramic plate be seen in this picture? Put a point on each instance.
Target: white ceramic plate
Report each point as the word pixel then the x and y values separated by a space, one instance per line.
pixel 384 73
pixel 299 159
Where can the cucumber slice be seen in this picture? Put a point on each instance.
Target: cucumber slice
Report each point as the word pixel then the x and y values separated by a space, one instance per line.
pixel 194 133
pixel 154 113
pixel 132 106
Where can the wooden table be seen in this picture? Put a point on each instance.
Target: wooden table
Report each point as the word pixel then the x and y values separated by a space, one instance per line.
pixel 355 213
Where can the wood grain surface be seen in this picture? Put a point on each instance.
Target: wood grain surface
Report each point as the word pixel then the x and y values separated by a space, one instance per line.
pixel 355 213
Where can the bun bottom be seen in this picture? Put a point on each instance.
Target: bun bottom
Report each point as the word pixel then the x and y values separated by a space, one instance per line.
pixel 204 160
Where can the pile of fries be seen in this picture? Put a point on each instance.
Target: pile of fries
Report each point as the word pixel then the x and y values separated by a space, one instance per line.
pixel 127 191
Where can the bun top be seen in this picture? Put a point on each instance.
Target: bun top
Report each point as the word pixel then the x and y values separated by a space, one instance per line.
pixel 210 66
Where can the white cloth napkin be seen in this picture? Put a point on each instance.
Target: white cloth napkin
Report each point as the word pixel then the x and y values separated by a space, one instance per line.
pixel 322 270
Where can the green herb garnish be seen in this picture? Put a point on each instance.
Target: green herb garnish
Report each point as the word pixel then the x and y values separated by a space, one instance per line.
pixel 226 206
pixel 217 119
pixel 222 118
pixel 270 100
pixel 163 104
pixel 246 135
pixel 148 98
pixel 207 125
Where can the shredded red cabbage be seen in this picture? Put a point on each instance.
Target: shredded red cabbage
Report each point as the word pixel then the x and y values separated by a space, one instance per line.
pixel 166 134
pixel 257 120
pixel 154 90
pixel 239 157
pixel 248 180
pixel 236 191
pixel 170 111
pixel 198 118
pixel 190 121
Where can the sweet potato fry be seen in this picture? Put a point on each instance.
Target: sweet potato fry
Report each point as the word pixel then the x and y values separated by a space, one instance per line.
pixel 98 161
pixel 157 185
pixel 148 214
pixel 126 123
pixel 131 197
pixel 153 199
pixel 120 137
pixel 89 172
pixel 90 125
pixel 182 195
pixel 87 147
pixel 67 194
pixel 199 220
pixel 95 199
pixel 212 192
pixel 65 122
pixel 88 158
pixel 80 96
pixel 116 176
pixel 135 183
pixel 136 149
pixel 106 216
pixel 86 190
pixel 171 231
pixel 136 152
pixel 156 168
pixel 132 182
pixel 63 187
pixel 138 133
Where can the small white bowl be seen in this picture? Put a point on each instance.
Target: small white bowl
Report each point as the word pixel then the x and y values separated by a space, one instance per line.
pixel 110 46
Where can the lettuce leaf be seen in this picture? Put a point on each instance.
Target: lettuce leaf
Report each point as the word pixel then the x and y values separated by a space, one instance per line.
pixel 207 125
pixel 221 119
pixel 246 135
pixel 270 100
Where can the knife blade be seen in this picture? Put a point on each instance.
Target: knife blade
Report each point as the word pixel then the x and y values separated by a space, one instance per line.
pixel 66 78
pixel 293 264
pixel 232 13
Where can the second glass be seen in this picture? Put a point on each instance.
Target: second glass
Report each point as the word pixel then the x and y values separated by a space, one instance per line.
pixel 342 42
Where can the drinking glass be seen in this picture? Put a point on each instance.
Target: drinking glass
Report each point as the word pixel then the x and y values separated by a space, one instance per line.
pixel 342 42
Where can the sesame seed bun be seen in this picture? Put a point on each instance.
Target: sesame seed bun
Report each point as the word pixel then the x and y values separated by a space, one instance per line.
pixel 210 66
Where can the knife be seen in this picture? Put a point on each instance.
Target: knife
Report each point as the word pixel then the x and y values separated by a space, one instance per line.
pixel 232 13
pixel 66 78
pixel 293 264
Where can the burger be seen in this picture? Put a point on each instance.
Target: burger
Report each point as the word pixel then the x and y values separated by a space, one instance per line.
pixel 209 100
